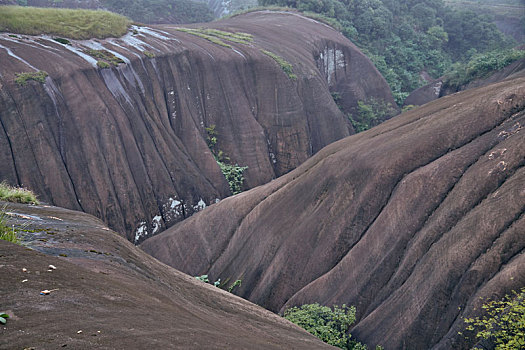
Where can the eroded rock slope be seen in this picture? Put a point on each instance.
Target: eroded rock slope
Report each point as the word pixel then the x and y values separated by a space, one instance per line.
pixel 412 222
pixel 128 143
pixel 106 293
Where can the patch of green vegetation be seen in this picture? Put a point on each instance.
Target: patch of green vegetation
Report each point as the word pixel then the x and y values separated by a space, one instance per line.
pixel 22 78
pixel 219 284
pixel 217 36
pixel 285 65
pixel 7 233
pixel 199 33
pixel 480 66
pixel 102 64
pixel 16 194
pixel 234 173
pixel 160 11
pixel 370 113
pixel 62 41
pixel 104 56
pixel 503 322
pixel 3 318
pixel 148 54
pixel 70 23
pixel 331 325
pixel 313 15
pixel 405 38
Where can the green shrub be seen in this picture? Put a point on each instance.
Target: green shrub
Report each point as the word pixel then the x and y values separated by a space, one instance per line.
pixel 370 113
pixel 234 175
pixel 329 325
pixel 480 66
pixel 148 54
pixel 22 78
pixel 503 322
pixel 285 65
pixel 70 23
pixel 62 41
pixel 17 195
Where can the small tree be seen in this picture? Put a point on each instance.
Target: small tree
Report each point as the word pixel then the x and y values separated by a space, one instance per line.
pixel 331 326
pixel 503 322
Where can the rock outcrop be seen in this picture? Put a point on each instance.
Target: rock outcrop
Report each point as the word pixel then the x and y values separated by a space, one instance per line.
pixel 105 293
pixel 412 222
pixel 128 143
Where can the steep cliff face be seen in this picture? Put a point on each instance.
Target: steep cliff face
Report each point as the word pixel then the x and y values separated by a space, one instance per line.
pixel 128 143
pixel 412 222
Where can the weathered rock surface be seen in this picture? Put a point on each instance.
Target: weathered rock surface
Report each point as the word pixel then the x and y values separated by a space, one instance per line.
pixel 412 222
pixel 118 296
pixel 128 143
pixel 439 87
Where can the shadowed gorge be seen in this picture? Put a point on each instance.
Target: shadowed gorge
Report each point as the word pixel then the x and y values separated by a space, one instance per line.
pixel 118 127
pixel 412 222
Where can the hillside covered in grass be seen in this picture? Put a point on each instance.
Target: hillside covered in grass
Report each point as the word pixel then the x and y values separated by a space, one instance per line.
pixel 70 23
pixel 144 11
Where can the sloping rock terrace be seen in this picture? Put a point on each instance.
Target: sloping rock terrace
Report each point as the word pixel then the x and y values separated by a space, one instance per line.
pixel 106 293
pixel 128 144
pixel 412 222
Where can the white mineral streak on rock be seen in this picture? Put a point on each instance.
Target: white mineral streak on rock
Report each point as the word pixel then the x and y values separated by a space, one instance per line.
pixel 114 85
pixel 332 59
pixel 155 223
pixel 201 205
pixel 85 56
pixel 141 231
pixel 238 52
pixel 437 88
pixel 98 46
pixel 10 53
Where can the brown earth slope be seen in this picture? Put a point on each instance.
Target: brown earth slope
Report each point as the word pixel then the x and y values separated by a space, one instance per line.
pixel 108 294
pixel 412 222
pixel 128 144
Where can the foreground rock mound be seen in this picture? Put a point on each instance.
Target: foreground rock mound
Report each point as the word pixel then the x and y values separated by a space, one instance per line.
pixel 104 293
pixel 120 128
pixel 412 222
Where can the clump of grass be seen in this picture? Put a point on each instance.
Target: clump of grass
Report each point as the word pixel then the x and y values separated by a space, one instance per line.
pixel 102 64
pixel 316 16
pixel 23 77
pixel 201 34
pixel 217 36
pixel 69 23
pixel 105 56
pixel 17 195
pixel 285 65
pixel 7 233
pixel 148 54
